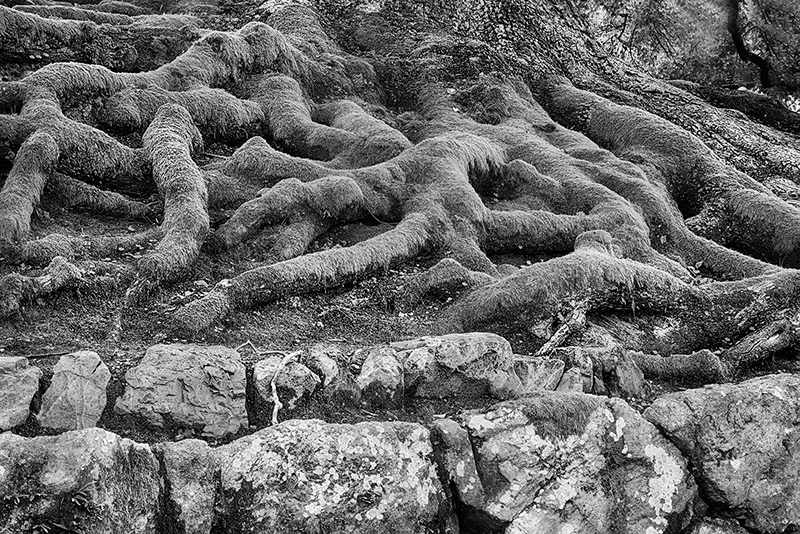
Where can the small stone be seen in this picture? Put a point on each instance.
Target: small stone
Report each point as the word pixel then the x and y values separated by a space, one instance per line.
pixel 294 381
pixel 18 384
pixel 339 387
pixel 76 397
pixel 381 379
pixel 458 365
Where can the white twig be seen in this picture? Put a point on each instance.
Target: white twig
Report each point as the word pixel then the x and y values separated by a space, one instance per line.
pixel 248 343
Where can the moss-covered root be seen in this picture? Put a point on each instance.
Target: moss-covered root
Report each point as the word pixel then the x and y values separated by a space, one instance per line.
pixel 377 141
pixel 312 272
pixel 23 188
pixel 329 200
pixel 218 115
pixel 168 144
pixel 778 335
pixel 16 288
pixel 701 367
pixel 289 121
pixel 446 280
pixel 70 193
pixel 137 45
pixel 591 273
pixel 87 152
pixel 339 133
pixel 757 220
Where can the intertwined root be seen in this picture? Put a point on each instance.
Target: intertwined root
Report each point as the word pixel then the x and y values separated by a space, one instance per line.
pixel 622 206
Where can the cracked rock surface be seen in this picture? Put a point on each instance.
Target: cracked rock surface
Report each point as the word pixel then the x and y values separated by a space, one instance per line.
pixel 192 386
pixel 569 462
pixel 744 443
pixel 76 397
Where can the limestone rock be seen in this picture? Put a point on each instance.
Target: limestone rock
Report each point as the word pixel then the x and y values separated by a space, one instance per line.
pixel 457 460
pixel 538 374
pixel 381 379
pixel 91 481
pixel 191 470
pixel 310 476
pixel 18 384
pixel 294 381
pixel 194 386
pixel 339 387
pixel 454 365
pixel 619 373
pixel 76 397
pixel 569 462
pixel 744 441
pixel 572 381
pixel 717 526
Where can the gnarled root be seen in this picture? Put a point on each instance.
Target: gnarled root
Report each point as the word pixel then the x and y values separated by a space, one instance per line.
pixel 23 188
pixel 169 143
pixel 16 288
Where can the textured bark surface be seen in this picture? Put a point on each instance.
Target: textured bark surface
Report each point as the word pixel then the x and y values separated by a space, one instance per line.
pixel 479 134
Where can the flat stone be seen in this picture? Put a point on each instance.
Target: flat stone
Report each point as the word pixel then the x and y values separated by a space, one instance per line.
pixel 191 470
pixel 381 379
pixel 19 382
pixel 194 386
pixel 311 476
pixel 538 374
pixel 294 381
pixel 458 365
pixel 92 481
pixel 744 442
pixel 76 397
pixel 554 462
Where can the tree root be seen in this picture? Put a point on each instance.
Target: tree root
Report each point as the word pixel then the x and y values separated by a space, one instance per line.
pixel 70 193
pixel 701 367
pixel 312 272
pixel 23 187
pixel 15 288
pixel 169 142
pixel 123 45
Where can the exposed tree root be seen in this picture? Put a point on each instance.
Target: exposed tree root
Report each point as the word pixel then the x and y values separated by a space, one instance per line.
pixel 703 367
pixel 70 193
pixel 15 288
pixel 115 41
pixel 169 142
pixel 23 187
pixel 650 184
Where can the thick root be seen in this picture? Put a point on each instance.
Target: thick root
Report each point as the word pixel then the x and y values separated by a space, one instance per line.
pixel 15 288
pixel 169 143
pixel 312 272
pixel 23 188
pixel 122 45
